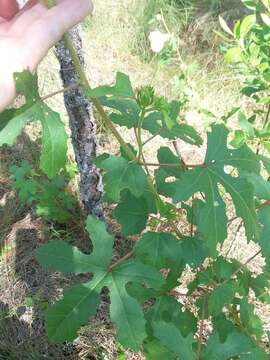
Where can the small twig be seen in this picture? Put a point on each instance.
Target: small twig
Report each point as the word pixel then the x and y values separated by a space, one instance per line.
pixel 241 267
pixel 232 220
pixel 251 258
pixel 175 294
pixel 151 138
pixel 266 203
pixel 176 147
pixel 174 165
pixel 71 87
pixel 176 230
pixel 232 242
pixel 120 261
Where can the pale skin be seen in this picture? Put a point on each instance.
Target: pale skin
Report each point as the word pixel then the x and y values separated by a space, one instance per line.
pixel 28 34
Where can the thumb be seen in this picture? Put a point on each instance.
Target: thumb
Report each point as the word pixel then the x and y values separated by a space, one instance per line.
pixel 8 8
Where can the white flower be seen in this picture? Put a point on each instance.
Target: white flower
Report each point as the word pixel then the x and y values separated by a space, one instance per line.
pixel 157 40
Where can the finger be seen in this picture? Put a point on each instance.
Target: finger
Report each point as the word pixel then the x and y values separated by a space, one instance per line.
pixel 49 29
pixel 69 13
pixel 29 4
pixel 8 9
pixel 32 11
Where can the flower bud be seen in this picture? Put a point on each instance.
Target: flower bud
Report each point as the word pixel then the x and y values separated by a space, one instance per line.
pixel 145 96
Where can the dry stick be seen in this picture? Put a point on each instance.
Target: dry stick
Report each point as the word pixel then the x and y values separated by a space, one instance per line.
pixel 120 261
pixel 151 138
pixel 71 87
pixel 177 149
pixel 232 243
pixel 178 233
pixel 241 267
pixel 266 203
pixel 175 165
pixel 86 86
pixel 232 219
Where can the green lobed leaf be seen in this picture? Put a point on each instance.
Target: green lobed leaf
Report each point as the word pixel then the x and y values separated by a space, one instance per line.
pixel 245 125
pixel 220 272
pixel 27 85
pixel 59 256
pixel 128 111
pixel 131 213
pixel 54 138
pixel 171 337
pixel 15 124
pixel 121 175
pixel 261 186
pixel 102 241
pixel 54 142
pixel 80 302
pixel 251 322
pixel 255 354
pixel 260 285
pixel 264 240
pixel 236 344
pixel 154 350
pixel 212 222
pixel 160 250
pixel 155 124
pixel 122 88
pixel 221 296
pixel 125 311
pixel 170 310
pixel 223 326
pixel 65 317
pixel 194 251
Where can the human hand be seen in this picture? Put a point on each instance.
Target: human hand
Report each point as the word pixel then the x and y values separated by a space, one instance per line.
pixel 28 34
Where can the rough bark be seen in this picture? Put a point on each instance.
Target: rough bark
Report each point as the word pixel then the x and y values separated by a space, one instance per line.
pixel 83 129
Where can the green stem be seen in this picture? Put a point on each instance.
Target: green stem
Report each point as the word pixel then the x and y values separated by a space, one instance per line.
pixel 201 329
pixel 139 135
